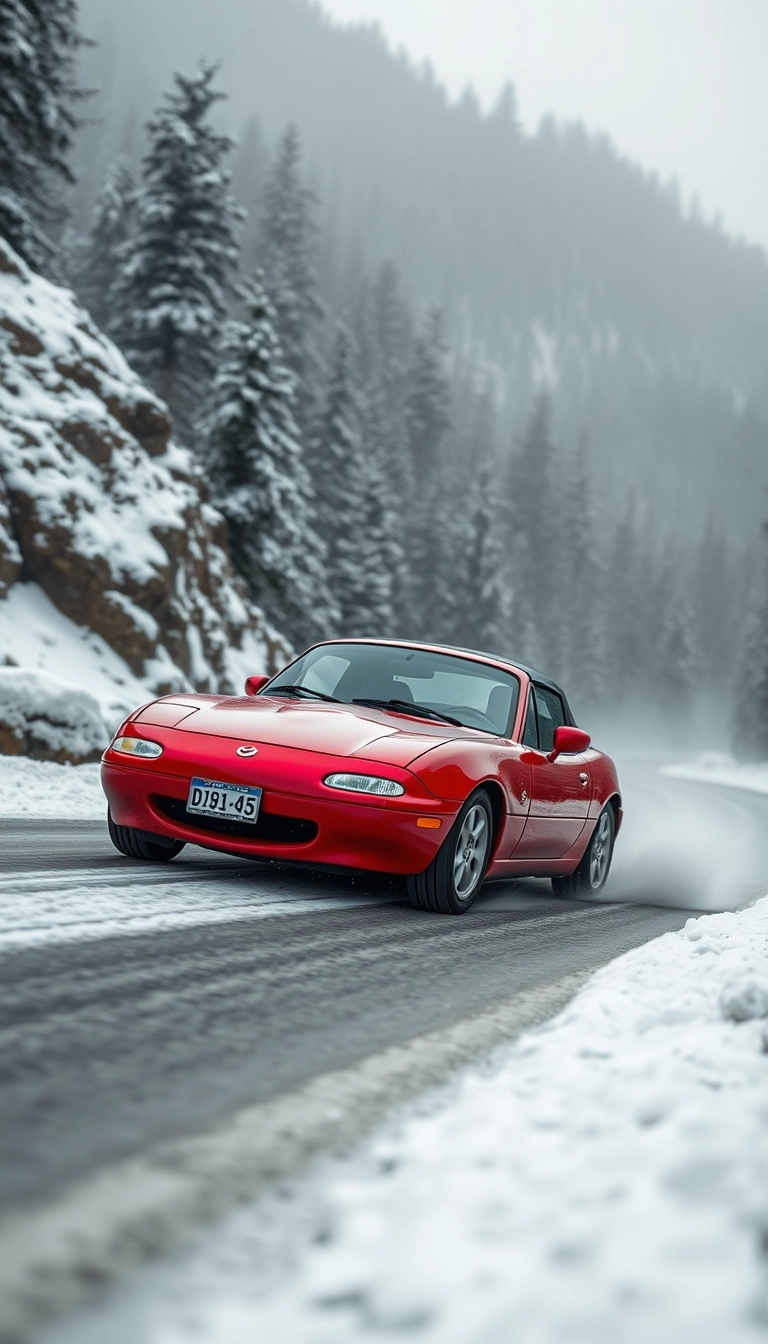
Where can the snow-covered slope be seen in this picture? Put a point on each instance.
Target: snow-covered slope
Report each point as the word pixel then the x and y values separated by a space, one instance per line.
pixel 113 570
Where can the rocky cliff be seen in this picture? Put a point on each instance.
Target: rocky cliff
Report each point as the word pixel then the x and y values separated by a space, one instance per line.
pixel 104 529
pixel 101 510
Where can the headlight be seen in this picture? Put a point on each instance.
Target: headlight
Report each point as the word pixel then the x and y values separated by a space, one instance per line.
pixel 137 746
pixel 388 788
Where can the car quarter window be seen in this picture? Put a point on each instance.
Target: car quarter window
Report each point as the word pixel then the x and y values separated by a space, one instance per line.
pixel 551 715
pixel 531 732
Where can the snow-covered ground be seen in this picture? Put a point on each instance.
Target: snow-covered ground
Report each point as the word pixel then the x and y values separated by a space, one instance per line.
pixel 716 768
pixel 40 789
pixel 605 1182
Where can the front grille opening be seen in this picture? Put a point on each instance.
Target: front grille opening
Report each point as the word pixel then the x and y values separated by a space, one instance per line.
pixel 270 828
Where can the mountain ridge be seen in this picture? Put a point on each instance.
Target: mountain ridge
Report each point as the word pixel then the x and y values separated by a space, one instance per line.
pixel 513 235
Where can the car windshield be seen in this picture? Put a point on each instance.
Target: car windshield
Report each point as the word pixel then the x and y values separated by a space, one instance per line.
pixel 476 695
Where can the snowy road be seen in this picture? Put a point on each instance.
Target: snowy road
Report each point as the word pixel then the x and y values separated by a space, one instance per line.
pixel 136 1005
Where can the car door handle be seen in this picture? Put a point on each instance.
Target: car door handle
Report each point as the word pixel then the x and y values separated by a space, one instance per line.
pixel 584 778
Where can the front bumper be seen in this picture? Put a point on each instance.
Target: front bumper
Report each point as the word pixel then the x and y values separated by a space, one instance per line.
pixel 301 820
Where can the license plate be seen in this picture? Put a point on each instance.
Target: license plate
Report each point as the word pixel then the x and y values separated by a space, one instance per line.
pixel 238 802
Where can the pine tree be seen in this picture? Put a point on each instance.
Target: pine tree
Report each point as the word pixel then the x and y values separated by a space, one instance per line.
pixel 381 324
pixel 97 264
pixel 533 522
pixel 629 581
pixel 582 588
pixel 353 505
pixel 718 604
pixel 250 167
pixel 39 42
pixel 676 660
pixel 481 597
pixel 174 280
pixel 289 250
pixel 750 708
pixel 428 401
pixel 258 479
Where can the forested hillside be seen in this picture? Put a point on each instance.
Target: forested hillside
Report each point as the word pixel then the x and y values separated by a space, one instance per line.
pixel 440 380
pixel 550 255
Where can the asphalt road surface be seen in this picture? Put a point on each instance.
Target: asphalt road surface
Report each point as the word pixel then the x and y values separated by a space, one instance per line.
pixel 139 1003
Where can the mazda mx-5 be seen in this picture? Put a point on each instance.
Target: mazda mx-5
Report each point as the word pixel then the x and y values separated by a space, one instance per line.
pixel 444 765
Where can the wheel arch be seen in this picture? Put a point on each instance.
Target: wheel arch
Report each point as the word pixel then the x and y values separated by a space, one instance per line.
pixel 615 802
pixel 496 798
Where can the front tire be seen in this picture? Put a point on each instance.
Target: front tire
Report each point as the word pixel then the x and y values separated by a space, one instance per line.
pixel 592 873
pixel 450 884
pixel 143 844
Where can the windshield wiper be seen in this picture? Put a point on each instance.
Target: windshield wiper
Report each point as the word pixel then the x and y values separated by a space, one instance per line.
pixel 302 691
pixel 408 707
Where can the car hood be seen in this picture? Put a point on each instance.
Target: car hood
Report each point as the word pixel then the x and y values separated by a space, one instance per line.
pixel 334 730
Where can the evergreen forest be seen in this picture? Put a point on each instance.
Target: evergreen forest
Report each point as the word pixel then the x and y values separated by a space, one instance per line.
pixel 391 458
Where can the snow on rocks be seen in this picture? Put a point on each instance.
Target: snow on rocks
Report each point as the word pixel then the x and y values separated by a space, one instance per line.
pixel 49 719
pixel 101 510
pixel 607 1181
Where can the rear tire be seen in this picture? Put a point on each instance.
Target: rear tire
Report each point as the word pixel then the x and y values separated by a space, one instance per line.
pixel 592 873
pixel 450 884
pixel 143 844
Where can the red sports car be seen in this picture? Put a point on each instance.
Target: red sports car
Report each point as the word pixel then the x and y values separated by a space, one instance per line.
pixel 444 765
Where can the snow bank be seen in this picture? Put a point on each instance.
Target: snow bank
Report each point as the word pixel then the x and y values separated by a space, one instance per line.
pixel 35 635
pixel 714 768
pixel 607 1182
pixel 48 718
pixel 43 790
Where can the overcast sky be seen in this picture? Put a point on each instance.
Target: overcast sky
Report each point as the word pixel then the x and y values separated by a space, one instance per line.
pixel 679 85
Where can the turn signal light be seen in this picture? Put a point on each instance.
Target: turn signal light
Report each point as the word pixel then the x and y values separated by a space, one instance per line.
pixel 137 746
pixel 429 823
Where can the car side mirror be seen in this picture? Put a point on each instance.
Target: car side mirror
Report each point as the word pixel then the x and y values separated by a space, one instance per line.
pixel 254 684
pixel 569 742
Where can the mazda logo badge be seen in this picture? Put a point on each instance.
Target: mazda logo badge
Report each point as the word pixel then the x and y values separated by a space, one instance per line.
pixel 247 751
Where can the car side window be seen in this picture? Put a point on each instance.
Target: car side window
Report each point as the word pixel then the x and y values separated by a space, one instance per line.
pixel 551 715
pixel 531 732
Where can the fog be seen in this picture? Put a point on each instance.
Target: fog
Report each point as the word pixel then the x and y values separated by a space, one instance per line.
pixel 680 88
pixel 599 353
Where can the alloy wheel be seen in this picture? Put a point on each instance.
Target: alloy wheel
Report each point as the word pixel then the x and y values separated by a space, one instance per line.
pixel 471 851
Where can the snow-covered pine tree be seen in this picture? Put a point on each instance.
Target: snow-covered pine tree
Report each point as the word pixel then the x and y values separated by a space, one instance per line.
pixel 380 322
pixel 288 255
pixel 481 598
pixel 582 587
pixel 718 599
pixel 677 664
pixel 353 507
pixel 98 258
pixel 39 41
pixel 258 478
pixel 250 166
pixel 428 399
pixel 385 486
pixel 174 279
pixel 628 581
pixel 533 529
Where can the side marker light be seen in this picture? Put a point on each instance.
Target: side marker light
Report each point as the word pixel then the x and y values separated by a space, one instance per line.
pixel 429 823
